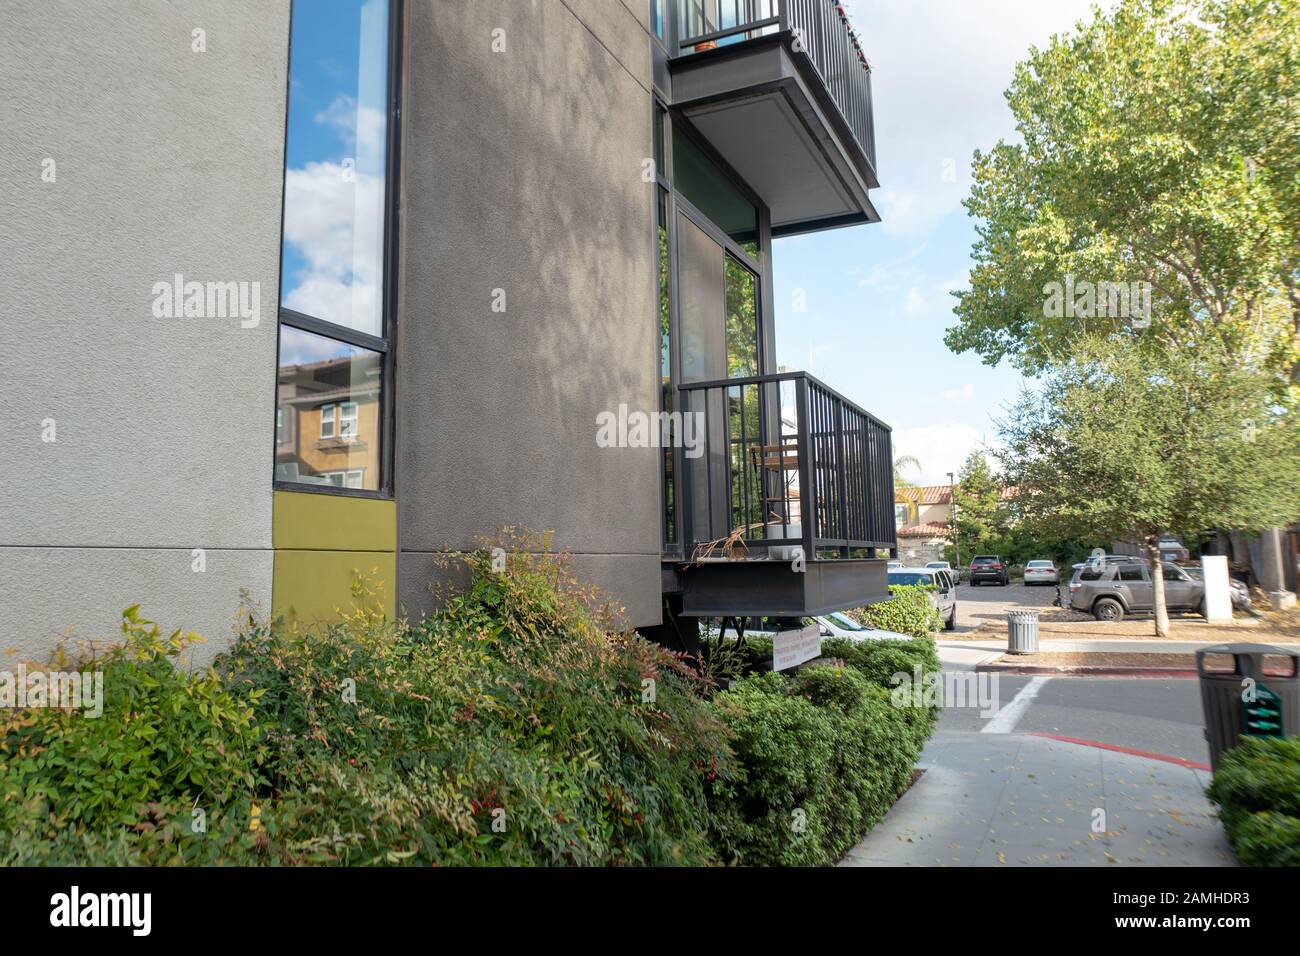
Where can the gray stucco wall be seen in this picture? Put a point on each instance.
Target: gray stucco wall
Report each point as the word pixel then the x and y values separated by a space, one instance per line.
pixel 522 172
pixel 167 161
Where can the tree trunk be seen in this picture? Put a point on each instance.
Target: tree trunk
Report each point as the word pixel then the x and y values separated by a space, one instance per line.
pixel 1157 586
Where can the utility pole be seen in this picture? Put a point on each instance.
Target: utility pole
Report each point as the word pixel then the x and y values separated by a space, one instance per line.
pixel 952 496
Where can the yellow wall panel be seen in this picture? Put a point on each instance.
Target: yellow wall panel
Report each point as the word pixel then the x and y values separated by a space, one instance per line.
pixel 315 586
pixel 304 521
pixel 322 543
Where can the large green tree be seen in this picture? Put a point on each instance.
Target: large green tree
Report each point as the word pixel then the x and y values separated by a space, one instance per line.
pixel 979 514
pixel 1160 144
pixel 1130 440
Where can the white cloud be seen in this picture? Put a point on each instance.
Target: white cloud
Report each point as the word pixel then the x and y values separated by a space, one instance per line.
pixel 963 394
pixel 939 71
pixel 939 448
pixel 333 212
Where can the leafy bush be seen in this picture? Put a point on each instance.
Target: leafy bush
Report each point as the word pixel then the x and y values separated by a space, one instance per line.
pixel 376 742
pixel 823 755
pixel 516 725
pixel 909 611
pixel 1257 790
pixel 165 737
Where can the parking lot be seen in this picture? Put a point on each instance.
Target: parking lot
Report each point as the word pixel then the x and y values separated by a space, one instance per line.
pixel 990 602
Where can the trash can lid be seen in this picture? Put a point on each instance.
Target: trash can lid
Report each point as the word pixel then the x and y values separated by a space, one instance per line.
pixel 1248 649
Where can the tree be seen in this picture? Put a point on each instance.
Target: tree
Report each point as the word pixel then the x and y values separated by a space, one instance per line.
pixel 901 464
pixel 905 489
pixel 979 515
pixel 1128 441
pixel 1161 145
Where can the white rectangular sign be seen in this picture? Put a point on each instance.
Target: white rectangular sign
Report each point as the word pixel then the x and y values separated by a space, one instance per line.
pixel 1218 596
pixel 791 648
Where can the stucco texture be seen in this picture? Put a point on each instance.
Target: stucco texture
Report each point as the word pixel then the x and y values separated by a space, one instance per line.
pixel 523 172
pixel 166 161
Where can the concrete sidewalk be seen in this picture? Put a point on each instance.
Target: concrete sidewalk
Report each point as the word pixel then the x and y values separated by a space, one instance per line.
pixel 966 651
pixel 1024 800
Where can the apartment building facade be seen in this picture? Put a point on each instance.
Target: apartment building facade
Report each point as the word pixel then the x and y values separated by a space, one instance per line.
pixel 295 292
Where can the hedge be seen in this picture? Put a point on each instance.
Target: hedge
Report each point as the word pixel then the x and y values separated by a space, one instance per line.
pixel 515 726
pixel 1257 790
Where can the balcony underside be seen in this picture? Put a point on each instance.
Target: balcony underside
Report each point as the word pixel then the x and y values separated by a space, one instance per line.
pixel 773 588
pixel 767 112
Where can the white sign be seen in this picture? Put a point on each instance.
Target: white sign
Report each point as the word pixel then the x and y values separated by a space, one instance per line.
pixel 1218 596
pixel 791 648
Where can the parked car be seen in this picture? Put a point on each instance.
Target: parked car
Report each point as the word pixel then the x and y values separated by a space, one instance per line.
pixel 1111 591
pixel 989 567
pixel 943 589
pixel 944 566
pixel 1239 590
pixel 1041 572
pixel 834 624
pixel 893 564
pixel 1171 549
pixel 1107 559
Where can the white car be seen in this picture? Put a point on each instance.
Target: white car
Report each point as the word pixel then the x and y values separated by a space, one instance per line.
pixel 837 624
pixel 834 624
pixel 943 566
pixel 1041 572
pixel 943 589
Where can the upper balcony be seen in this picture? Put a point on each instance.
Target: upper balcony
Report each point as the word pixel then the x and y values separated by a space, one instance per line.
pixel 786 500
pixel 782 91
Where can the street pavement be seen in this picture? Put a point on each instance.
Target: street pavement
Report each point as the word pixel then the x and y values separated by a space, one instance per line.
pixel 1057 771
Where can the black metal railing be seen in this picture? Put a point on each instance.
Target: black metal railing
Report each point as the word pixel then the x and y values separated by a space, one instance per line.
pixel 819 32
pixel 780 461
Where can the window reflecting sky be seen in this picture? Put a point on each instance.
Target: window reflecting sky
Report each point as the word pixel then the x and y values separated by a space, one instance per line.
pixel 332 260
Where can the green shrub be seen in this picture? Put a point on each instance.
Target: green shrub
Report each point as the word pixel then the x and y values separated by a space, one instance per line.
pixel 909 611
pixel 824 755
pixel 880 660
pixel 166 737
pixel 514 726
pixel 1257 790
pixel 510 728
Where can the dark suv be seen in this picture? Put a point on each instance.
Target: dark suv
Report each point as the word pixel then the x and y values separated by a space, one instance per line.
pixel 989 567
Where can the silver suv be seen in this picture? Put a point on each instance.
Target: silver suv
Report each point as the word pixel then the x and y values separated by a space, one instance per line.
pixel 1109 591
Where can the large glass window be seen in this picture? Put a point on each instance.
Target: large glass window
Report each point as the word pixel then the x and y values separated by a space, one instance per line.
pixel 697 177
pixel 330 392
pixel 335 329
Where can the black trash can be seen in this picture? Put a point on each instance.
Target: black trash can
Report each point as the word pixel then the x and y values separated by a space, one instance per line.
pixel 1246 701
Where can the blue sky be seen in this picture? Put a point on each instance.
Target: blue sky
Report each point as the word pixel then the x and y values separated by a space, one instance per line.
pixel 335 159
pixel 877 296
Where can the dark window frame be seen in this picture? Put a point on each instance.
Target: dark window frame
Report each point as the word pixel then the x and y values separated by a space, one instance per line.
pixel 385 344
pixel 669 119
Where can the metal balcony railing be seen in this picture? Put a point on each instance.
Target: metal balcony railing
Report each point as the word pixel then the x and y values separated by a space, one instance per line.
pixel 820 32
pixel 786 461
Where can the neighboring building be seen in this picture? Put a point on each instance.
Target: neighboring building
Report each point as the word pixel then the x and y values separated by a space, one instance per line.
pixel 924 516
pixel 465 233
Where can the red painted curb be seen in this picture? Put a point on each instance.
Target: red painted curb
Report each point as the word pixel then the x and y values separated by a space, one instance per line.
pixel 1192 764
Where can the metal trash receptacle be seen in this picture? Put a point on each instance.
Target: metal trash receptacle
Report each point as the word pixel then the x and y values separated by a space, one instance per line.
pixel 1246 701
pixel 1022 632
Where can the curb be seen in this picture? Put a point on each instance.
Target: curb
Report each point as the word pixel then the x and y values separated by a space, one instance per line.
pixel 1117 748
pixel 1086 670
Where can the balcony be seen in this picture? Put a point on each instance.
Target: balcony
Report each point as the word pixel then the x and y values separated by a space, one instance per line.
pixel 782 91
pixel 788 496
